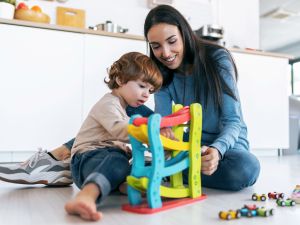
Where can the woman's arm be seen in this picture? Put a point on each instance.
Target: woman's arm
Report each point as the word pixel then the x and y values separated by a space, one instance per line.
pixel 231 114
pixel 163 102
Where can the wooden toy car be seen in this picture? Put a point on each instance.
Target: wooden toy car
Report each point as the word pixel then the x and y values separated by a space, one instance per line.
pixel 296 194
pixel 249 210
pixel 285 202
pixel 228 215
pixel 256 197
pixel 262 211
pixel 275 195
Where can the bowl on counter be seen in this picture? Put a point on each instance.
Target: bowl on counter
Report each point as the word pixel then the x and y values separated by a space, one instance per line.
pixel 7 10
pixel 31 15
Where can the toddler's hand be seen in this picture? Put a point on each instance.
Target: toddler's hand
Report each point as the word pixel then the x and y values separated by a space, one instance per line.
pixel 168 133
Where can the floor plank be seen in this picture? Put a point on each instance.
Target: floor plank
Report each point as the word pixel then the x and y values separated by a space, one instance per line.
pixel 22 205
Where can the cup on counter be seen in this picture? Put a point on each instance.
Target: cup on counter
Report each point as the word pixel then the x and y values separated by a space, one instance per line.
pixel 7 10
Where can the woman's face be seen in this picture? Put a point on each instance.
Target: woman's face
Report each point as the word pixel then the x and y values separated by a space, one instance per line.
pixel 167 44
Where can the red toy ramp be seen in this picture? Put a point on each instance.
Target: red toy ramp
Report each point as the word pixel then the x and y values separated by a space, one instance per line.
pixel 167 204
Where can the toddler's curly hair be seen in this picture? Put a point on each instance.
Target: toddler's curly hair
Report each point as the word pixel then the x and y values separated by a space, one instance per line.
pixel 134 66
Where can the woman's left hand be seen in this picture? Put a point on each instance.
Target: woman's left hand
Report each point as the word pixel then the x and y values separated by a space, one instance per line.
pixel 209 160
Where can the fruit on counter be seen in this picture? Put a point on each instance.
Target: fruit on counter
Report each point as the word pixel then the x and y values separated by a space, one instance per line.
pixel 22 5
pixel 33 14
pixel 36 8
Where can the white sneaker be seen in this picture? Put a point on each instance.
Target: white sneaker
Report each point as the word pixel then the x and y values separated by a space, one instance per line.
pixel 40 168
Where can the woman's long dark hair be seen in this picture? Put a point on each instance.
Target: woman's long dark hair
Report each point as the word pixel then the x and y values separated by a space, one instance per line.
pixel 209 85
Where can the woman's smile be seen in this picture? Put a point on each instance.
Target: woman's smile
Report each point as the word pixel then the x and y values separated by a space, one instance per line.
pixel 167 44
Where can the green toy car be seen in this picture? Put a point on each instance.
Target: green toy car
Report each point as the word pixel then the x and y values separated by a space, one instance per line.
pixel 262 211
pixel 285 202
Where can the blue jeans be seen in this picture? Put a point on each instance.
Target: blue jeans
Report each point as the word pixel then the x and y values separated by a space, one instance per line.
pixel 105 167
pixel 237 170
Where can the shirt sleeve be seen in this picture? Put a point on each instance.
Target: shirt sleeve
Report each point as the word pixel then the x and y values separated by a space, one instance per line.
pixel 163 102
pixel 112 118
pixel 230 115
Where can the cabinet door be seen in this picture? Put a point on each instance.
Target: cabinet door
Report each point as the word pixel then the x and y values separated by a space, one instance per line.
pixel 100 53
pixel 40 88
pixel 263 87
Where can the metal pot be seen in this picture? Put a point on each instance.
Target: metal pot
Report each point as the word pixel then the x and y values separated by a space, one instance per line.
pixel 109 26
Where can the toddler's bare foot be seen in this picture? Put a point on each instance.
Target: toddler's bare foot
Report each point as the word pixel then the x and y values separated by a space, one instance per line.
pixel 84 207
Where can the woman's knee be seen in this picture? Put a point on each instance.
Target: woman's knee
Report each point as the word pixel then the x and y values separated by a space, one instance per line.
pixel 244 171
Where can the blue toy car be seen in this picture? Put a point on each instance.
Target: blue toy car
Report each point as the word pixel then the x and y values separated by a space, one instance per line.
pixel 249 210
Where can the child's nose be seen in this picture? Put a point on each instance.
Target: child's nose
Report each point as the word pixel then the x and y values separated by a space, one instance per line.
pixel 146 94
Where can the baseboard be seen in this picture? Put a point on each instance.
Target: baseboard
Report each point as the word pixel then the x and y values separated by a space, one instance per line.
pixel 15 156
pixel 265 152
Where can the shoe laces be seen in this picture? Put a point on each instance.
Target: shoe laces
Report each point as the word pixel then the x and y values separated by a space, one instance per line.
pixel 32 161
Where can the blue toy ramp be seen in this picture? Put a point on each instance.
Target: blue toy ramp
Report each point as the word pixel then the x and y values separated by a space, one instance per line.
pixel 166 204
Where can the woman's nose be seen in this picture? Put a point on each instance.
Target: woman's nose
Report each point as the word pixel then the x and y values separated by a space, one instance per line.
pixel 165 52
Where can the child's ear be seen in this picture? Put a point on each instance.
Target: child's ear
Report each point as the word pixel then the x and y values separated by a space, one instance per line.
pixel 119 82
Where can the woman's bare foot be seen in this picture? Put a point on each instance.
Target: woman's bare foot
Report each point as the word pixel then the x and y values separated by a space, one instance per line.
pixel 123 188
pixel 84 204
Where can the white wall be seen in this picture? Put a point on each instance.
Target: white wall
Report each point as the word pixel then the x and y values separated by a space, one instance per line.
pixel 130 13
pixel 240 19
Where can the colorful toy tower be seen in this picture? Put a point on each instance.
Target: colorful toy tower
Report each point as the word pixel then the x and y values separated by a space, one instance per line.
pixel 144 134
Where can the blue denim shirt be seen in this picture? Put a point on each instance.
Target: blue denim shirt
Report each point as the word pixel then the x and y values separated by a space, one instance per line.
pixel 225 130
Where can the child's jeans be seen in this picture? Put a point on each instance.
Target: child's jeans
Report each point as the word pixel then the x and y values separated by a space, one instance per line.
pixel 105 167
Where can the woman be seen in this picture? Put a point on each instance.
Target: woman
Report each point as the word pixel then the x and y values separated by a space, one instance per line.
pixel 198 71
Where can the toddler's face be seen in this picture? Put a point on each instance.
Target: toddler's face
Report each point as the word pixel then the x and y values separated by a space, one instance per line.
pixel 136 92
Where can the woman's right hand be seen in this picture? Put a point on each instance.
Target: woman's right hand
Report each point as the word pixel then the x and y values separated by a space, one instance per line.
pixel 209 160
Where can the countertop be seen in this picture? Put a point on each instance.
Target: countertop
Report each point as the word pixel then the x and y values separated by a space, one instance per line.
pixel 121 35
pixel 69 29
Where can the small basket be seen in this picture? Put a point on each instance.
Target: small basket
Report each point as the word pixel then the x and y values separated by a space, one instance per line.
pixel 31 15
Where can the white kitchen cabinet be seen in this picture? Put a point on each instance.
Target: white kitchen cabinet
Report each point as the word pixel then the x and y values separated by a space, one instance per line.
pixel 100 53
pixel 40 87
pixel 263 86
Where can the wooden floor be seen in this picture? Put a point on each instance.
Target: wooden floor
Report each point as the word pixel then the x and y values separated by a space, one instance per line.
pixel 22 205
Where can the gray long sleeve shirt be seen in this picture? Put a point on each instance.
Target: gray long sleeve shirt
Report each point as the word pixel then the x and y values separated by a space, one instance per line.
pixel 223 131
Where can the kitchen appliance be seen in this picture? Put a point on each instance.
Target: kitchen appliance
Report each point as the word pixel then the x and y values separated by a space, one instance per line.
pixel 109 26
pixel 212 32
